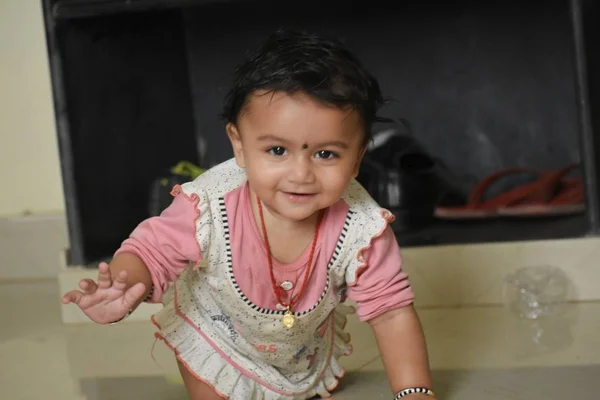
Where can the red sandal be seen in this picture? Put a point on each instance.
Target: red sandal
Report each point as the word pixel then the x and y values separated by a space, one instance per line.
pixel 550 194
pixel 564 196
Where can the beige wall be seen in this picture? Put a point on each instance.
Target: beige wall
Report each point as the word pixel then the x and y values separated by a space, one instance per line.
pixel 29 163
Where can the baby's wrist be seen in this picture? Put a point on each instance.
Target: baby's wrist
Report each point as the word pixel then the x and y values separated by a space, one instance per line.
pixel 415 393
pixel 150 294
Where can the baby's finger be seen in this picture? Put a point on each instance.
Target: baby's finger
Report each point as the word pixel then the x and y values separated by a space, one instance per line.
pixel 74 296
pixel 88 286
pixel 104 278
pixel 133 295
pixel 120 283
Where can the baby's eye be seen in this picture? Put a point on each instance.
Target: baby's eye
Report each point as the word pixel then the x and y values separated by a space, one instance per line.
pixel 278 151
pixel 326 155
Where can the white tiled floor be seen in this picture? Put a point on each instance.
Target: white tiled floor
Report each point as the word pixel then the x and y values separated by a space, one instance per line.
pixel 476 353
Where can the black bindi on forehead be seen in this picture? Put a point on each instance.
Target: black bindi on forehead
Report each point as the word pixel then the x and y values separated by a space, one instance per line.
pixel 305 146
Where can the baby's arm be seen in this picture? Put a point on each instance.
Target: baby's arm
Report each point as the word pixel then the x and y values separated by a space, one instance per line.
pixel 135 271
pixel 160 248
pixel 384 299
pixel 402 346
pixel 154 255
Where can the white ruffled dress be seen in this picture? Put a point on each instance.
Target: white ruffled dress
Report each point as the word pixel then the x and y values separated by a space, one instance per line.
pixel 221 336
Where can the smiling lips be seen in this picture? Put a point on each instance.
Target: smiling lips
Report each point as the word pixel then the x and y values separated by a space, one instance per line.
pixel 299 197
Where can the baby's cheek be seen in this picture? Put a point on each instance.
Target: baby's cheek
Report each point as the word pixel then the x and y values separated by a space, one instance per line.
pixel 335 186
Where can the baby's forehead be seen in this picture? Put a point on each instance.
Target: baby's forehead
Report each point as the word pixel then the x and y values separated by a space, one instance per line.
pixel 277 105
pixel 270 99
pixel 300 120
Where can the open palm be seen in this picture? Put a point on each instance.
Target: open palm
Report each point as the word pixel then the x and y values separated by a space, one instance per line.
pixel 107 301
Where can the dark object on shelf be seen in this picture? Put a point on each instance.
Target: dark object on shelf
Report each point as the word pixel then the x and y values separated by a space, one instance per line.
pixel 160 194
pixel 402 177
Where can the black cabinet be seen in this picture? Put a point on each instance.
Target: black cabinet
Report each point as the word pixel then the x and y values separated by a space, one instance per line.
pixel 489 85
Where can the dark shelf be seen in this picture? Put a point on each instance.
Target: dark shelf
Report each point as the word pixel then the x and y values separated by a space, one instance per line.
pixel 74 9
pixel 495 230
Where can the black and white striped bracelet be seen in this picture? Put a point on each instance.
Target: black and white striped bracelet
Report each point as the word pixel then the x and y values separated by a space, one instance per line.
pixel 409 391
pixel 150 294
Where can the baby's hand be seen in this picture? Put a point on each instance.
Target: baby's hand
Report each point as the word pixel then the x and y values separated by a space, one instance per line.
pixel 107 301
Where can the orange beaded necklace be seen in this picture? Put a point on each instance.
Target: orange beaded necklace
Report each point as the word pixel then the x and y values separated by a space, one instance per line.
pixel 289 319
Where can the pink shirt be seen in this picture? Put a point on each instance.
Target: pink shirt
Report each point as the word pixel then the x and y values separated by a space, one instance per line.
pixel 167 244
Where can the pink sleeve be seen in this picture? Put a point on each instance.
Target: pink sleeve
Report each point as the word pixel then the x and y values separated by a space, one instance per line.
pixel 167 243
pixel 382 285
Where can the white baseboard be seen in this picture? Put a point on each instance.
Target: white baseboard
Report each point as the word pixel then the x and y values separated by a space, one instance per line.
pixel 30 246
pixel 475 275
pixel 450 276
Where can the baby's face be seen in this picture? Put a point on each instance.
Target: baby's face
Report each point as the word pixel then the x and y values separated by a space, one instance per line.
pixel 299 155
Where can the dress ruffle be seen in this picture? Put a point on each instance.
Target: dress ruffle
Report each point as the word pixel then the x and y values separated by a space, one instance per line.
pixel 203 215
pixel 368 224
pixel 229 382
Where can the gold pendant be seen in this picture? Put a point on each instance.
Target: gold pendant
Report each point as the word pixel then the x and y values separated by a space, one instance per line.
pixel 289 319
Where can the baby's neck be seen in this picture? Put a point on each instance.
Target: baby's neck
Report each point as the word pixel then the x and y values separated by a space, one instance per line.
pixel 288 240
pixel 277 225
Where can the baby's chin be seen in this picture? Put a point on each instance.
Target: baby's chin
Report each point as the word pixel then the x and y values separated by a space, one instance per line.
pixel 295 215
pixel 299 214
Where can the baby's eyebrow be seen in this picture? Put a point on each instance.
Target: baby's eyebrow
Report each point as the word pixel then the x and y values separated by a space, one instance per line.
pixel 335 143
pixel 267 137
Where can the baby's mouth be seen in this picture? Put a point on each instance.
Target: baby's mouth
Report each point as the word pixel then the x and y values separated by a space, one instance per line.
pixel 298 197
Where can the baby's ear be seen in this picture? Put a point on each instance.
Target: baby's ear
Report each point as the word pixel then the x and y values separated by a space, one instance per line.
pixel 236 143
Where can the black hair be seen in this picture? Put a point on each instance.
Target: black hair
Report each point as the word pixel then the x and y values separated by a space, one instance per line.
pixel 296 61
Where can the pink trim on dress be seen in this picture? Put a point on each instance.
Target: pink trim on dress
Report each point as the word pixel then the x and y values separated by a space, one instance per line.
pixel 389 218
pixel 195 199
